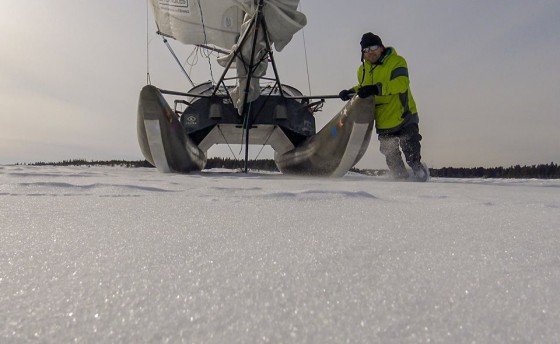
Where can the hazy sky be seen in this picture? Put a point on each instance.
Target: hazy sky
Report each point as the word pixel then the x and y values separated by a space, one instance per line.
pixel 485 75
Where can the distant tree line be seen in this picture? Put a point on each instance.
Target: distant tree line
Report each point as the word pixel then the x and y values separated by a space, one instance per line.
pixel 261 165
pixel 83 162
pixel 541 171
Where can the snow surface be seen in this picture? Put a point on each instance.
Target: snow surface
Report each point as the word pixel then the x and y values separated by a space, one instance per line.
pixel 131 255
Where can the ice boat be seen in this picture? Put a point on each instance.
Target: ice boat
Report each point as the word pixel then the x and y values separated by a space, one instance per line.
pixel 254 109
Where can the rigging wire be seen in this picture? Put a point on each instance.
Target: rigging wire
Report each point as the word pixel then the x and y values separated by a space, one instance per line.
pixel 265 142
pixel 147 43
pixel 192 59
pixel 305 52
pixel 177 60
pixel 206 42
pixel 227 143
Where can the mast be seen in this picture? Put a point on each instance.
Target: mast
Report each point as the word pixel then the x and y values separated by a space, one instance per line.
pixel 246 109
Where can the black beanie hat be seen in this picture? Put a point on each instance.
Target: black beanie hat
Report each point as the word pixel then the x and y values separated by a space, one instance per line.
pixel 369 39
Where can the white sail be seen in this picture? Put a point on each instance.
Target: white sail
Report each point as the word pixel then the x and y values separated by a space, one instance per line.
pixel 224 23
pixel 283 20
pixel 216 22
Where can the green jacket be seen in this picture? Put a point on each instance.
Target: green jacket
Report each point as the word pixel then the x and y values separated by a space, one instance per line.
pixel 394 106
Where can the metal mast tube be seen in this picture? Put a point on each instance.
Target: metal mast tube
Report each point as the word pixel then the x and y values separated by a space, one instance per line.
pixel 246 109
pixel 177 60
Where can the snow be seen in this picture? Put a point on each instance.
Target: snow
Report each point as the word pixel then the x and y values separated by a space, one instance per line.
pixel 122 255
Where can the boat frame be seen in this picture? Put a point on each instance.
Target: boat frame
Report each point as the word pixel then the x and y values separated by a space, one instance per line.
pixel 282 117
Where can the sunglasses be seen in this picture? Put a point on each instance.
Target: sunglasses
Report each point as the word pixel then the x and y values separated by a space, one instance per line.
pixel 372 48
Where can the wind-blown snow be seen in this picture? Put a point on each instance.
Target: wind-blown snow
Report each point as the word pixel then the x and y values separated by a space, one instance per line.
pixel 131 255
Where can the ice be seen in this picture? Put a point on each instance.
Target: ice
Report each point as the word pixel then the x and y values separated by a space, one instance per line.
pixel 127 255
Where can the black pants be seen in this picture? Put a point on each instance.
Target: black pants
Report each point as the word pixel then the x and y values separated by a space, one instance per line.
pixel 408 138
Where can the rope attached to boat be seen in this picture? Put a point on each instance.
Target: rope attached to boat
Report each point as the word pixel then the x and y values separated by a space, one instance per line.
pixel 206 43
pixel 148 43
pixel 177 60
pixel 305 52
pixel 227 143
pixel 265 142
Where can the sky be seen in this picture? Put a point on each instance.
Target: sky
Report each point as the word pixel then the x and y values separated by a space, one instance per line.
pixel 485 75
pixel 121 255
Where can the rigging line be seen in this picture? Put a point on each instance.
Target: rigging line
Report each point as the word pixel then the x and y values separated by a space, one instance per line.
pixel 206 42
pixel 265 142
pixel 177 60
pixel 227 143
pixel 192 59
pixel 305 52
pixel 147 44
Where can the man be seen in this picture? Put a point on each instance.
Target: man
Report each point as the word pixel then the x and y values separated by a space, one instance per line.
pixel 384 74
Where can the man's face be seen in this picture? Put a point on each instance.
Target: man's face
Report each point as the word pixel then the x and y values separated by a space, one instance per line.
pixel 373 53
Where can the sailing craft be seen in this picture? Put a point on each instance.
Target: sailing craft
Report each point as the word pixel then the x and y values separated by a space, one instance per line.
pixel 253 109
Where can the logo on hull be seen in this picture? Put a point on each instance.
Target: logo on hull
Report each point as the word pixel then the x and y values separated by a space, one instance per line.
pixel 191 121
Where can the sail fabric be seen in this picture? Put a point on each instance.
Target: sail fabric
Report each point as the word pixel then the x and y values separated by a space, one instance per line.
pixel 216 22
pixel 224 23
pixel 242 64
pixel 283 20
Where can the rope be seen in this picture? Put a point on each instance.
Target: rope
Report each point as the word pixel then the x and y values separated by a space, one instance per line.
pixel 192 59
pixel 305 52
pixel 227 143
pixel 147 44
pixel 265 142
pixel 177 60
pixel 206 42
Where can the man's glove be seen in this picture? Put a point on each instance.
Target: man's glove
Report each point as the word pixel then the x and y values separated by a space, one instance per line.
pixel 369 90
pixel 346 94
